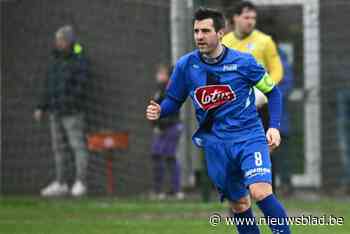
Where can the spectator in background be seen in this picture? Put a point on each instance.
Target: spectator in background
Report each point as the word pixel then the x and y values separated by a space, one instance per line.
pixel 343 129
pixel 166 134
pixel 63 99
pixel 280 160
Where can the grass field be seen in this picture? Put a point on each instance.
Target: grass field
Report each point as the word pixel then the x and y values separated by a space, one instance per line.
pixel 112 216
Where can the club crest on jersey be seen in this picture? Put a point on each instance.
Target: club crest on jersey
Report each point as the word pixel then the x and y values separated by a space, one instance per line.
pixel 212 96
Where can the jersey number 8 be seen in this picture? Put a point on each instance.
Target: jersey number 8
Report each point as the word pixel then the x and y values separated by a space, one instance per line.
pixel 258 159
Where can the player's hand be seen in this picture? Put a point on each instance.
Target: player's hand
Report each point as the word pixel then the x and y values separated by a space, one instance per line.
pixel 38 114
pixel 153 111
pixel 273 138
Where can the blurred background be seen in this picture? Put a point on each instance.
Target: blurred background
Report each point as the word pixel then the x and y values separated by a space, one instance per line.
pixel 124 41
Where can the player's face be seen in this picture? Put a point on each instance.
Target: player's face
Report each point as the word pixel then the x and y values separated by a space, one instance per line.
pixel 61 44
pixel 245 22
pixel 162 75
pixel 205 36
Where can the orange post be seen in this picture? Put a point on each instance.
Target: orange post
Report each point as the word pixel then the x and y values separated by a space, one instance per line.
pixel 108 141
pixel 109 172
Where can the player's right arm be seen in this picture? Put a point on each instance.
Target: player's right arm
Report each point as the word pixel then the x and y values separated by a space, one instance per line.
pixel 177 93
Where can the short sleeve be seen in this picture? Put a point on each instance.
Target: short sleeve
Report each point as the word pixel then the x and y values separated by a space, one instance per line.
pixel 177 88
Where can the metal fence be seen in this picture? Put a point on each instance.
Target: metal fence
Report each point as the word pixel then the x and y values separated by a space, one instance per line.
pixel 124 41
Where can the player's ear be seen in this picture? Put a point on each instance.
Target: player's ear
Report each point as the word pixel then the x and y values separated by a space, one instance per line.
pixel 234 19
pixel 221 33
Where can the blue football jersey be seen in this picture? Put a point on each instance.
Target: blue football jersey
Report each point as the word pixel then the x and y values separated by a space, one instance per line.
pixel 222 95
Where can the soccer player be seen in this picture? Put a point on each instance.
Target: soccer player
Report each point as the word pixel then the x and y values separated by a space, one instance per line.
pixel 220 83
pixel 246 38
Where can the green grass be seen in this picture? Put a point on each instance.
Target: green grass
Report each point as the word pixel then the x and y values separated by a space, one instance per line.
pixel 104 216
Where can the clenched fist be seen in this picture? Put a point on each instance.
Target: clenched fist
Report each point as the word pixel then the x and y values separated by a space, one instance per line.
pixel 273 138
pixel 153 111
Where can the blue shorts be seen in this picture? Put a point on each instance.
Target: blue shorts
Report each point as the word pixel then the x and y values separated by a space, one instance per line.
pixel 232 167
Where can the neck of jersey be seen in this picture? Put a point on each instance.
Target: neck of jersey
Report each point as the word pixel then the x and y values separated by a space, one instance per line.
pixel 210 60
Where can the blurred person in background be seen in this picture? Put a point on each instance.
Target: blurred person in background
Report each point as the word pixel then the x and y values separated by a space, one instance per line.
pixel 281 165
pixel 63 99
pixel 166 134
pixel 246 38
pixel 343 130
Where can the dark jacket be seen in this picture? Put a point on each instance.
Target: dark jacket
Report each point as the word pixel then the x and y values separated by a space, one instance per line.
pixel 64 91
pixel 169 121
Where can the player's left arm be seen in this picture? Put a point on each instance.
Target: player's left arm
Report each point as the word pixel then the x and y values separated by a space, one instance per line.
pixel 273 61
pixel 274 96
pixel 259 78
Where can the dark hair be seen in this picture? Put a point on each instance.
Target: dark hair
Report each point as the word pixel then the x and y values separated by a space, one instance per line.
pixel 203 13
pixel 242 5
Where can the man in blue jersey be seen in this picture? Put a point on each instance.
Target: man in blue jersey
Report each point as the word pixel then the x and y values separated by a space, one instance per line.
pixel 220 83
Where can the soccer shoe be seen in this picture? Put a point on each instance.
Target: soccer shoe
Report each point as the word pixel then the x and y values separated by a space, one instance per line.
pixel 161 196
pixel 78 189
pixel 55 189
pixel 157 196
pixel 153 196
pixel 179 196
